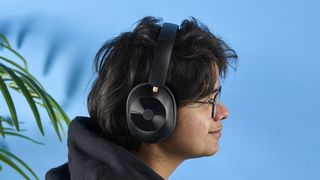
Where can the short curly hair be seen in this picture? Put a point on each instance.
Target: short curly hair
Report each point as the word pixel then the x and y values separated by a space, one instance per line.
pixel 125 61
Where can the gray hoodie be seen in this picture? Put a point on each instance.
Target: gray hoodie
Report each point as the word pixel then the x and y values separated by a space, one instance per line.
pixel 94 157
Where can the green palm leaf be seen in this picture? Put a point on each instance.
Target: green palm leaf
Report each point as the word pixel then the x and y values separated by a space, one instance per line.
pixel 12 129
pixel 22 136
pixel 4 39
pixel 9 101
pixel 14 64
pixel 57 106
pixel 7 121
pixel 7 46
pixel 26 94
pixel 45 97
pixel 18 78
pixel 34 86
pixel 4 158
pixel 21 68
pixel 1 128
pixel 13 165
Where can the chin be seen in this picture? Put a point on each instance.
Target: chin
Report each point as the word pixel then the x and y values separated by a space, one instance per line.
pixel 207 152
pixel 212 151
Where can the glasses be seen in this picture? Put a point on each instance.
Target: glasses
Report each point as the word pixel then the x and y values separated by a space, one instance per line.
pixel 213 102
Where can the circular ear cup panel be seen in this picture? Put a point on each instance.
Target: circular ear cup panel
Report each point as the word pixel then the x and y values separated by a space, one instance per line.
pixel 148 113
pixel 151 116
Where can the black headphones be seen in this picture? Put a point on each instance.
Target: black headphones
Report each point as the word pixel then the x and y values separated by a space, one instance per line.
pixel 151 107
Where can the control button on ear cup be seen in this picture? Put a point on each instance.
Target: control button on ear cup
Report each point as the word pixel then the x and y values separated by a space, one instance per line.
pixel 148 114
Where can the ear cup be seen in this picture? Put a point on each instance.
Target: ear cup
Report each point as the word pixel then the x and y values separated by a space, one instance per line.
pixel 151 116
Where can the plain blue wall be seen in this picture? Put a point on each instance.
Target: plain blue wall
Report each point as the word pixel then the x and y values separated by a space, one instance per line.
pixel 273 130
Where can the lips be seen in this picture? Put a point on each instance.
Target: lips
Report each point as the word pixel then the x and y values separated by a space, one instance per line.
pixel 215 131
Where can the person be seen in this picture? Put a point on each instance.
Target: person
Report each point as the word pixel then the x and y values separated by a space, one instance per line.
pixel 102 147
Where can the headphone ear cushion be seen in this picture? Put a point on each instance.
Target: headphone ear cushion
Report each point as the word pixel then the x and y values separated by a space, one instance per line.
pixel 151 117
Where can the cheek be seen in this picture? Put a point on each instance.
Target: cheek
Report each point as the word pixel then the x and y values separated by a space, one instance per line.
pixel 195 128
pixel 190 137
pixel 200 129
pixel 191 127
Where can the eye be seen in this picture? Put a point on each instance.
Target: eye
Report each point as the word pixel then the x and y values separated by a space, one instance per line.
pixel 211 101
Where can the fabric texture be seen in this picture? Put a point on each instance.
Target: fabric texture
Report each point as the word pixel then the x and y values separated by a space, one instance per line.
pixel 91 156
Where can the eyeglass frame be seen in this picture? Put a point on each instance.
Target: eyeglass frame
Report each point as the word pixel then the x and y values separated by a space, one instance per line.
pixel 213 101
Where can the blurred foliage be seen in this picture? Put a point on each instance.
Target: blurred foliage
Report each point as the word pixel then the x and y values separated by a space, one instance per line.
pixel 15 76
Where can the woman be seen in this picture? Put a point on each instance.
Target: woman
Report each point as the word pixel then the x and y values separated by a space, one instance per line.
pixel 103 147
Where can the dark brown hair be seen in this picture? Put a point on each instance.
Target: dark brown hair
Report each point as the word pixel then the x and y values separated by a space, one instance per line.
pixel 125 61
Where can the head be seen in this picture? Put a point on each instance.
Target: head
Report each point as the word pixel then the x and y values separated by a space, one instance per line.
pixel 198 61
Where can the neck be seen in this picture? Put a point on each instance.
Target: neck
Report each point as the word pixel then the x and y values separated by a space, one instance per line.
pixel 163 162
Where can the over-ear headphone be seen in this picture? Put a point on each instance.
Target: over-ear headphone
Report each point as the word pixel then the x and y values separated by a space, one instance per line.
pixel 151 107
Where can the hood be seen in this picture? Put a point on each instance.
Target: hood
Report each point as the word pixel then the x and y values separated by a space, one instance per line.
pixel 94 157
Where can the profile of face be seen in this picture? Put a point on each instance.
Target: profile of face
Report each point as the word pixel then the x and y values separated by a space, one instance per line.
pixel 193 135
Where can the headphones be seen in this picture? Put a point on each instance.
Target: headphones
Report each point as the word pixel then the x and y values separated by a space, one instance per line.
pixel 151 107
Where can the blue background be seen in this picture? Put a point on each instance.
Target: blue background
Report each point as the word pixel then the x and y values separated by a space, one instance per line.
pixel 273 97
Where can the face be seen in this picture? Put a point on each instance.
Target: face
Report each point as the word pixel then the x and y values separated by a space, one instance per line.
pixel 193 135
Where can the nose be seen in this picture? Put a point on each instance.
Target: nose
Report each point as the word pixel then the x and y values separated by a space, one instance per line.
pixel 222 112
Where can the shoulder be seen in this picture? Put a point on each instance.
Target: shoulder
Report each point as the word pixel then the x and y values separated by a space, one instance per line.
pixel 59 173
